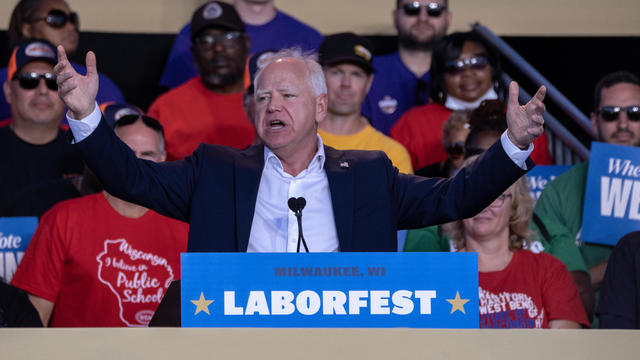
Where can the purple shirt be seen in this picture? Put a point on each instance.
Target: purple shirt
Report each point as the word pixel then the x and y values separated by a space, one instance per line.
pixel 282 32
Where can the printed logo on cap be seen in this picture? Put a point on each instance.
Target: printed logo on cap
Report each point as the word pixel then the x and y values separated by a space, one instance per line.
pixel 263 57
pixel 212 11
pixel 124 112
pixel 38 49
pixel 362 52
pixel 388 105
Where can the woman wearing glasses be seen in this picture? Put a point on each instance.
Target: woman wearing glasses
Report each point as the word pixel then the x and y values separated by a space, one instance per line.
pixel 51 20
pixel 465 70
pixel 518 289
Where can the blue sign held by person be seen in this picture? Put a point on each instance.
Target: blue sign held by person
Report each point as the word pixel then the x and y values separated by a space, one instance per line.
pixel 612 196
pixel 541 175
pixel 418 290
pixel 15 234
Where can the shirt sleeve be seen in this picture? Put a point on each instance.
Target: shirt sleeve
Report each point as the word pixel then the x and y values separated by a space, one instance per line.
pixel 82 128
pixel 41 268
pixel 560 297
pixel 519 157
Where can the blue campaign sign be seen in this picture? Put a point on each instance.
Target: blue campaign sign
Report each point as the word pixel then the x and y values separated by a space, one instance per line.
pixel 420 290
pixel 15 234
pixel 541 175
pixel 612 196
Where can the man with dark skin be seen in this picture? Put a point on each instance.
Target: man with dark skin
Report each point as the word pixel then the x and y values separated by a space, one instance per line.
pixel 208 108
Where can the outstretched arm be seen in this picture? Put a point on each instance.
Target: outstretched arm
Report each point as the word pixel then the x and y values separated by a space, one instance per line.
pixel 525 122
pixel 78 92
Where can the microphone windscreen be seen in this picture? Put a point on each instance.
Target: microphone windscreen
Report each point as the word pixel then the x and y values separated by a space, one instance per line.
pixel 301 203
pixel 293 204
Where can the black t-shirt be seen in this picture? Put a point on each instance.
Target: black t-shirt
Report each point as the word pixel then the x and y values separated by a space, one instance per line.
pixel 35 177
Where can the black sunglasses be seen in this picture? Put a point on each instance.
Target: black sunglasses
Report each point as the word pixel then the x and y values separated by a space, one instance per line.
pixel 433 9
pixel 58 18
pixel 31 80
pixel 612 113
pixel 456 149
pixel 454 67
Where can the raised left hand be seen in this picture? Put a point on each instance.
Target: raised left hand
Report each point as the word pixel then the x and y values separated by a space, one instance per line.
pixel 525 122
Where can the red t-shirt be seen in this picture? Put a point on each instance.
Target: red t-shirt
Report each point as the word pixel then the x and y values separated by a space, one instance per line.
pixel 191 114
pixel 420 131
pixel 99 267
pixel 530 291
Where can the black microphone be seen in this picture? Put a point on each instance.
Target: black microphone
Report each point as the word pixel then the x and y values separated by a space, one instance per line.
pixel 296 205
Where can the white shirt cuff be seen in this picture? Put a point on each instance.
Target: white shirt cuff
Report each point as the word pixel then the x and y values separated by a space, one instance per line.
pixel 82 128
pixel 519 157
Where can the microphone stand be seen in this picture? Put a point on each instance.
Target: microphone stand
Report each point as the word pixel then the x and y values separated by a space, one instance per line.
pixel 300 236
pixel 296 205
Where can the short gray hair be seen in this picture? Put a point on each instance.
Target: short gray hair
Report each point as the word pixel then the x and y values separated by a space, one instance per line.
pixel 310 59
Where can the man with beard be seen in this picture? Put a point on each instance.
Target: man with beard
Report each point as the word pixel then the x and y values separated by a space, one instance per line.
pixel 616 119
pixel 208 108
pixel 402 78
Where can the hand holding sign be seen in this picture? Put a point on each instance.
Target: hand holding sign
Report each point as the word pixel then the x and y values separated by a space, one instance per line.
pixel 525 122
pixel 78 92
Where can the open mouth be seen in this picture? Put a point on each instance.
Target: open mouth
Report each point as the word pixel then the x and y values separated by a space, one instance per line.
pixel 276 124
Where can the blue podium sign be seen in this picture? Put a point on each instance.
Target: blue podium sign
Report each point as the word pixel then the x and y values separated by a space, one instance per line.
pixel 612 195
pixel 418 290
pixel 541 175
pixel 15 234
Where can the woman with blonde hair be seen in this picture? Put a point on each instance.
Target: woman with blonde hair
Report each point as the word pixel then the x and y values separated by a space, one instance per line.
pixel 518 289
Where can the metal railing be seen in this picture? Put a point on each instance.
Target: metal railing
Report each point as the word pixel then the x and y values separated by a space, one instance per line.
pixel 565 147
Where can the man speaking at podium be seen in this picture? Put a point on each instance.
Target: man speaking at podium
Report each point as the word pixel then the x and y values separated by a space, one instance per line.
pixel 236 200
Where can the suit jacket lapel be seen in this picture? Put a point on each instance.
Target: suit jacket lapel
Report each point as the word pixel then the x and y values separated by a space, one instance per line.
pixel 341 185
pixel 248 172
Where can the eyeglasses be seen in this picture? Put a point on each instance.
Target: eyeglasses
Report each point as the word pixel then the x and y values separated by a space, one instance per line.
pixel 58 19
pixel 210 40
pixel 433 9
pixel 455 67
pixel 612 113
pixel 31 80
pixel 500 201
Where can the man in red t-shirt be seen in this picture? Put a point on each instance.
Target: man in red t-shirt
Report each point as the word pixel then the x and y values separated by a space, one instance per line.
pixel 208 108
pixel 99 260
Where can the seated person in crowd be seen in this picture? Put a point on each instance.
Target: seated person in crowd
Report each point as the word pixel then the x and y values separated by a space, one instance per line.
pixel 465 70
pixel 38 164
pixel 619 305
pixel 266 26
pixel 51 20
pixel 346 61
pixel 487 123
pixel 454 134
pixel 100 261
pixel 208 108
pixel 563 198
pixel 402 77
pixel 518 288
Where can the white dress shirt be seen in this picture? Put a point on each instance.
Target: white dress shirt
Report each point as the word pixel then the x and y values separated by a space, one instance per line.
pixel 274 227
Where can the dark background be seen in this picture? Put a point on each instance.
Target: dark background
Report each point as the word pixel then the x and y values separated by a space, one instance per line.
pixel 573 64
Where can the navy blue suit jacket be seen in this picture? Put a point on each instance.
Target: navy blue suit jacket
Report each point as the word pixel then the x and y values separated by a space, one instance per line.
pixel 215 190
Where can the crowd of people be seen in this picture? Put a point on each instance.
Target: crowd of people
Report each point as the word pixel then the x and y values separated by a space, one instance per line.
pixel 288 112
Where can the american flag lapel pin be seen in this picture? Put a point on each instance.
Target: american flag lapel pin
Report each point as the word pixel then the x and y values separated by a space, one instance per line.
pixel 344 164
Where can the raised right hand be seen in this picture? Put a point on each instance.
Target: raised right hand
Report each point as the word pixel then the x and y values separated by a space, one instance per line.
pixel 76 91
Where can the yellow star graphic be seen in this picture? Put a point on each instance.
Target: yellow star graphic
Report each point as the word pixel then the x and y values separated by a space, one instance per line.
pixel 202 304
pixel 457 303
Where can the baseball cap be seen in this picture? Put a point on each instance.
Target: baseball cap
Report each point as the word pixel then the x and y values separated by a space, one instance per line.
pixel 346 47
pixel 113 111
pixel 254 61
pixel 215 14
pixel 29 51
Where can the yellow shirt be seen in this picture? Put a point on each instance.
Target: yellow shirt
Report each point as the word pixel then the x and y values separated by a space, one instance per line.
pixel 371 139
